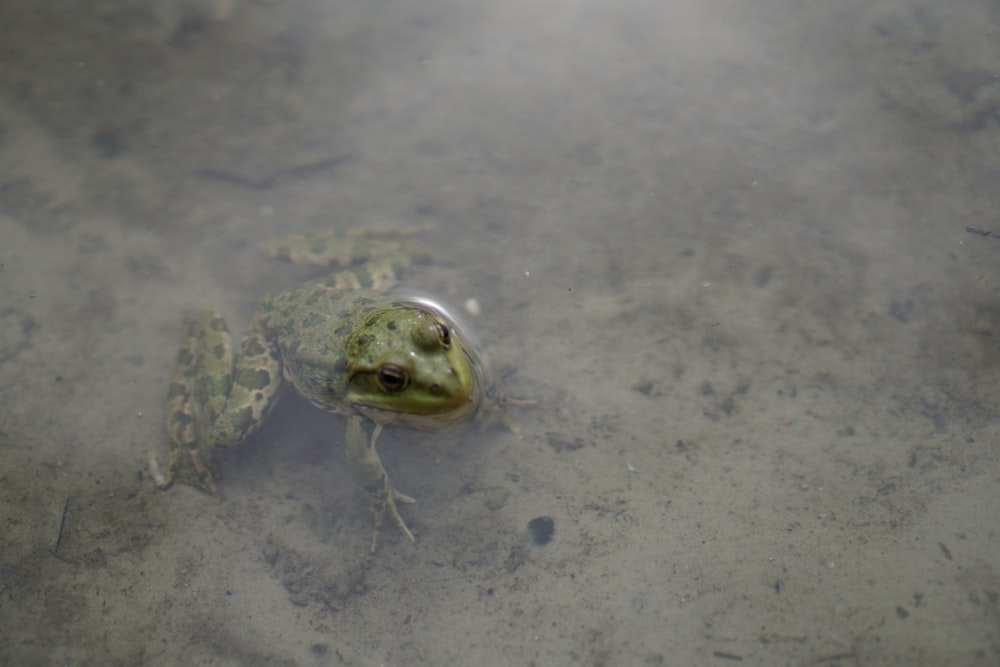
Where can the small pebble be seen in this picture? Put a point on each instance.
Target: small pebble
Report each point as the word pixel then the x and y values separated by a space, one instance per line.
pixel 541 530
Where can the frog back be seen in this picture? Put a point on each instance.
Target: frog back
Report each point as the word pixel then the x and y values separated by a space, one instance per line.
pixel 311 325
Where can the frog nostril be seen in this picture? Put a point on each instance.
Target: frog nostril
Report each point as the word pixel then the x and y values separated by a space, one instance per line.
pixel 434 389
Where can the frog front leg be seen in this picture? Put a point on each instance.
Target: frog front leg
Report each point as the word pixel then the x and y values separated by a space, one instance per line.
pixel 370 475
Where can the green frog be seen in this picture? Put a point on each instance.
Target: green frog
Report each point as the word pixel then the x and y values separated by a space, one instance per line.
pixel 342 343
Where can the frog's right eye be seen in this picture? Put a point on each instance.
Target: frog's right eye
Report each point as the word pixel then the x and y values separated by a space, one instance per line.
pixel 393 378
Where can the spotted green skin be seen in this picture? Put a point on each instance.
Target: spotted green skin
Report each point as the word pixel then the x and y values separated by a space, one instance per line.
pixel 341 343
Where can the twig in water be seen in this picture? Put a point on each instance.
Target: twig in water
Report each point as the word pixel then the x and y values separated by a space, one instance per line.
pixel 62 527
pixel 988 233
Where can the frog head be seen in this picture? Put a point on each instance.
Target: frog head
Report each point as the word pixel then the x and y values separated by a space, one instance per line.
pixel 409 365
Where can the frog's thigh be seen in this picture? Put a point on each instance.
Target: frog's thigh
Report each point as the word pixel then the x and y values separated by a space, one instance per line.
pixel 199 383
pixel 256 378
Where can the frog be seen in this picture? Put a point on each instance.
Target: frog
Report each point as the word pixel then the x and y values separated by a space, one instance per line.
pixel 344 343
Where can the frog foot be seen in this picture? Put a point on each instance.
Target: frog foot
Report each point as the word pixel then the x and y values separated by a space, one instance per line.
pixel 498 408
pixel 384 501
pixel 190 470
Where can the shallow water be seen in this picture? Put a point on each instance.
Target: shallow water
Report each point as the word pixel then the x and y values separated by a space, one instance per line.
pixel 721 244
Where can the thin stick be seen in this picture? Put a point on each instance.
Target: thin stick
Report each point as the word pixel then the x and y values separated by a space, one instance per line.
pixel 62 527
pixel 988 233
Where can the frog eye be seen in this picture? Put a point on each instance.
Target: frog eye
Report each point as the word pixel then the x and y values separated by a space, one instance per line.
pixel 444 335
pixel 393 378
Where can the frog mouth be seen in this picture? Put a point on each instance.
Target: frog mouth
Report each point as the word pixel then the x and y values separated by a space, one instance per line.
pixel 441 421
pixel 434 422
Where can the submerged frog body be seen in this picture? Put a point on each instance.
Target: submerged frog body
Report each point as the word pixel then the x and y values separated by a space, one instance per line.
pixel 341 343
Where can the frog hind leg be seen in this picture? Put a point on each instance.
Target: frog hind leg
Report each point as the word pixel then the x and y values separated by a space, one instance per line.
pixel 375 257
pixel 371 476
pixel 214 400
pixel 255 381
pixel 199 383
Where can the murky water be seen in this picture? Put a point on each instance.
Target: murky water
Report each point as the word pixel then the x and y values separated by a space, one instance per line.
pixel 721 244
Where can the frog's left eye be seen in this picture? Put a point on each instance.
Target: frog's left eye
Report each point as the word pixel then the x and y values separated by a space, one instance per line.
pixel 444 335
pixel 393 378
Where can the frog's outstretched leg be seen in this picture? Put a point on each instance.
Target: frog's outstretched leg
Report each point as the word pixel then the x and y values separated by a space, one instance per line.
pixel 370 475
pixel 375 256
